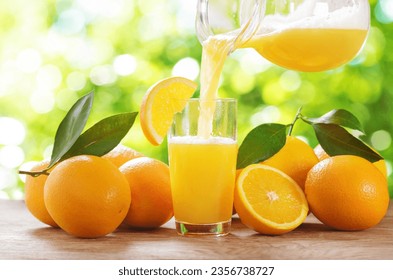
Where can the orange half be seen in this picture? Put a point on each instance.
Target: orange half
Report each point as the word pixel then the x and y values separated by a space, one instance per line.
pixel 160 103
pixel 269 201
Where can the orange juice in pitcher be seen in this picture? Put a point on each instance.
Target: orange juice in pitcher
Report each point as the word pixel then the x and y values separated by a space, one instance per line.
pixel 303 35
pixel 309 49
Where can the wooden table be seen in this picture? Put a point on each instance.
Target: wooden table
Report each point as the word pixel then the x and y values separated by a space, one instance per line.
pixel 23 237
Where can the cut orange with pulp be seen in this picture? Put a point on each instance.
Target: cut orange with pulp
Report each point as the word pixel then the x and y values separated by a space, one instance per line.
pixel 269 201
pixel 160 103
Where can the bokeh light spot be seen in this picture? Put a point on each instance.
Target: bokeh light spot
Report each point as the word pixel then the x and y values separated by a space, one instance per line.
pixel 17 194
pixel 381 140
pixel 13 132
pixel 360 90
pixel 252 62
pixel 269 114
pixel 102 75
pixel 49 77
pixel 374 47
pixel 42 101
pixel 242 83
pixel 186 67
pixel 65 99
pixel 384 11
pixel 273 93
pixel 185 16
pixel 70 22
pixel 306 92
pixel 124 64
pixel 29 60
pixel 7 178
pixel 104 8
pixel 290 80
pixel 11 156
pixel 76 80
pixel 148 28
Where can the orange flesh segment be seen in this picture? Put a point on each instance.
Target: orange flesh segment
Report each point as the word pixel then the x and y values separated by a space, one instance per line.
pixel 272 196
pixel 160 103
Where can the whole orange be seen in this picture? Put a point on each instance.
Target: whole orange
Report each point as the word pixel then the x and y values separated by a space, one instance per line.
pixel 34 195
pixel 295 159
pixel 347 193
pixel 380 164
pixel 121 154
pixel 87 196
pixel 149 182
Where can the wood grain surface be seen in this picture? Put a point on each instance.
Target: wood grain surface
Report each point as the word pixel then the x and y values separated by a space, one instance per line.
pixel 23 237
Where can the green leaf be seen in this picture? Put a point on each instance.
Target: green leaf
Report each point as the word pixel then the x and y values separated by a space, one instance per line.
pixel 71 127
pixel 335 140
pixel 103 136
pixel 261 143
pixel 339 117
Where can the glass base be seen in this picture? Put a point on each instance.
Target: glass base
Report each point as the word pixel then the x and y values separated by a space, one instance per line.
pixel 216 229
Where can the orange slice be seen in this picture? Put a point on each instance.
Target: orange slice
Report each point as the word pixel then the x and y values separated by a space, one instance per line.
pixel 160 103
pixel 269 201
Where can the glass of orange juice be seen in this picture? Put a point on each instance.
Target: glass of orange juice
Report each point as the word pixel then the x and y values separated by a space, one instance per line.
pixel 203 168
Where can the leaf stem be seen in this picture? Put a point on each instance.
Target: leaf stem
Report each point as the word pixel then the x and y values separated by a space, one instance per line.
pixel 298 115
pixel 34 173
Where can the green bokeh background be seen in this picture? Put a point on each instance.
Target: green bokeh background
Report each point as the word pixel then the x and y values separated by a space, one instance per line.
pixel 54 51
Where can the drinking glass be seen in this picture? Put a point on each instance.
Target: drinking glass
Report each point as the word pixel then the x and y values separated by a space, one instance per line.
pixel 203 169
pixel 303 35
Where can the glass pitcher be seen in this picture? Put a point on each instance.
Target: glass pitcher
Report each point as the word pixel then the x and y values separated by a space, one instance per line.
pixel 303 35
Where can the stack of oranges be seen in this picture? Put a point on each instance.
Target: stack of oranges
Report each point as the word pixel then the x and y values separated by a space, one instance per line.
pixel 89 196
pixel 344 192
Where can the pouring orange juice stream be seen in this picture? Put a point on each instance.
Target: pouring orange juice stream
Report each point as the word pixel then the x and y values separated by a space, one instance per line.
pixel 303 49
pixel 205 164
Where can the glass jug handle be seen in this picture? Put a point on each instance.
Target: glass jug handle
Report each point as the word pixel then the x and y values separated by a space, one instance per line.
pixel 202 26
pixel 250 13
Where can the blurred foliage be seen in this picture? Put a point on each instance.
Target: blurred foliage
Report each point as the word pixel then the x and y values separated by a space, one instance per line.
pixel 54 51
